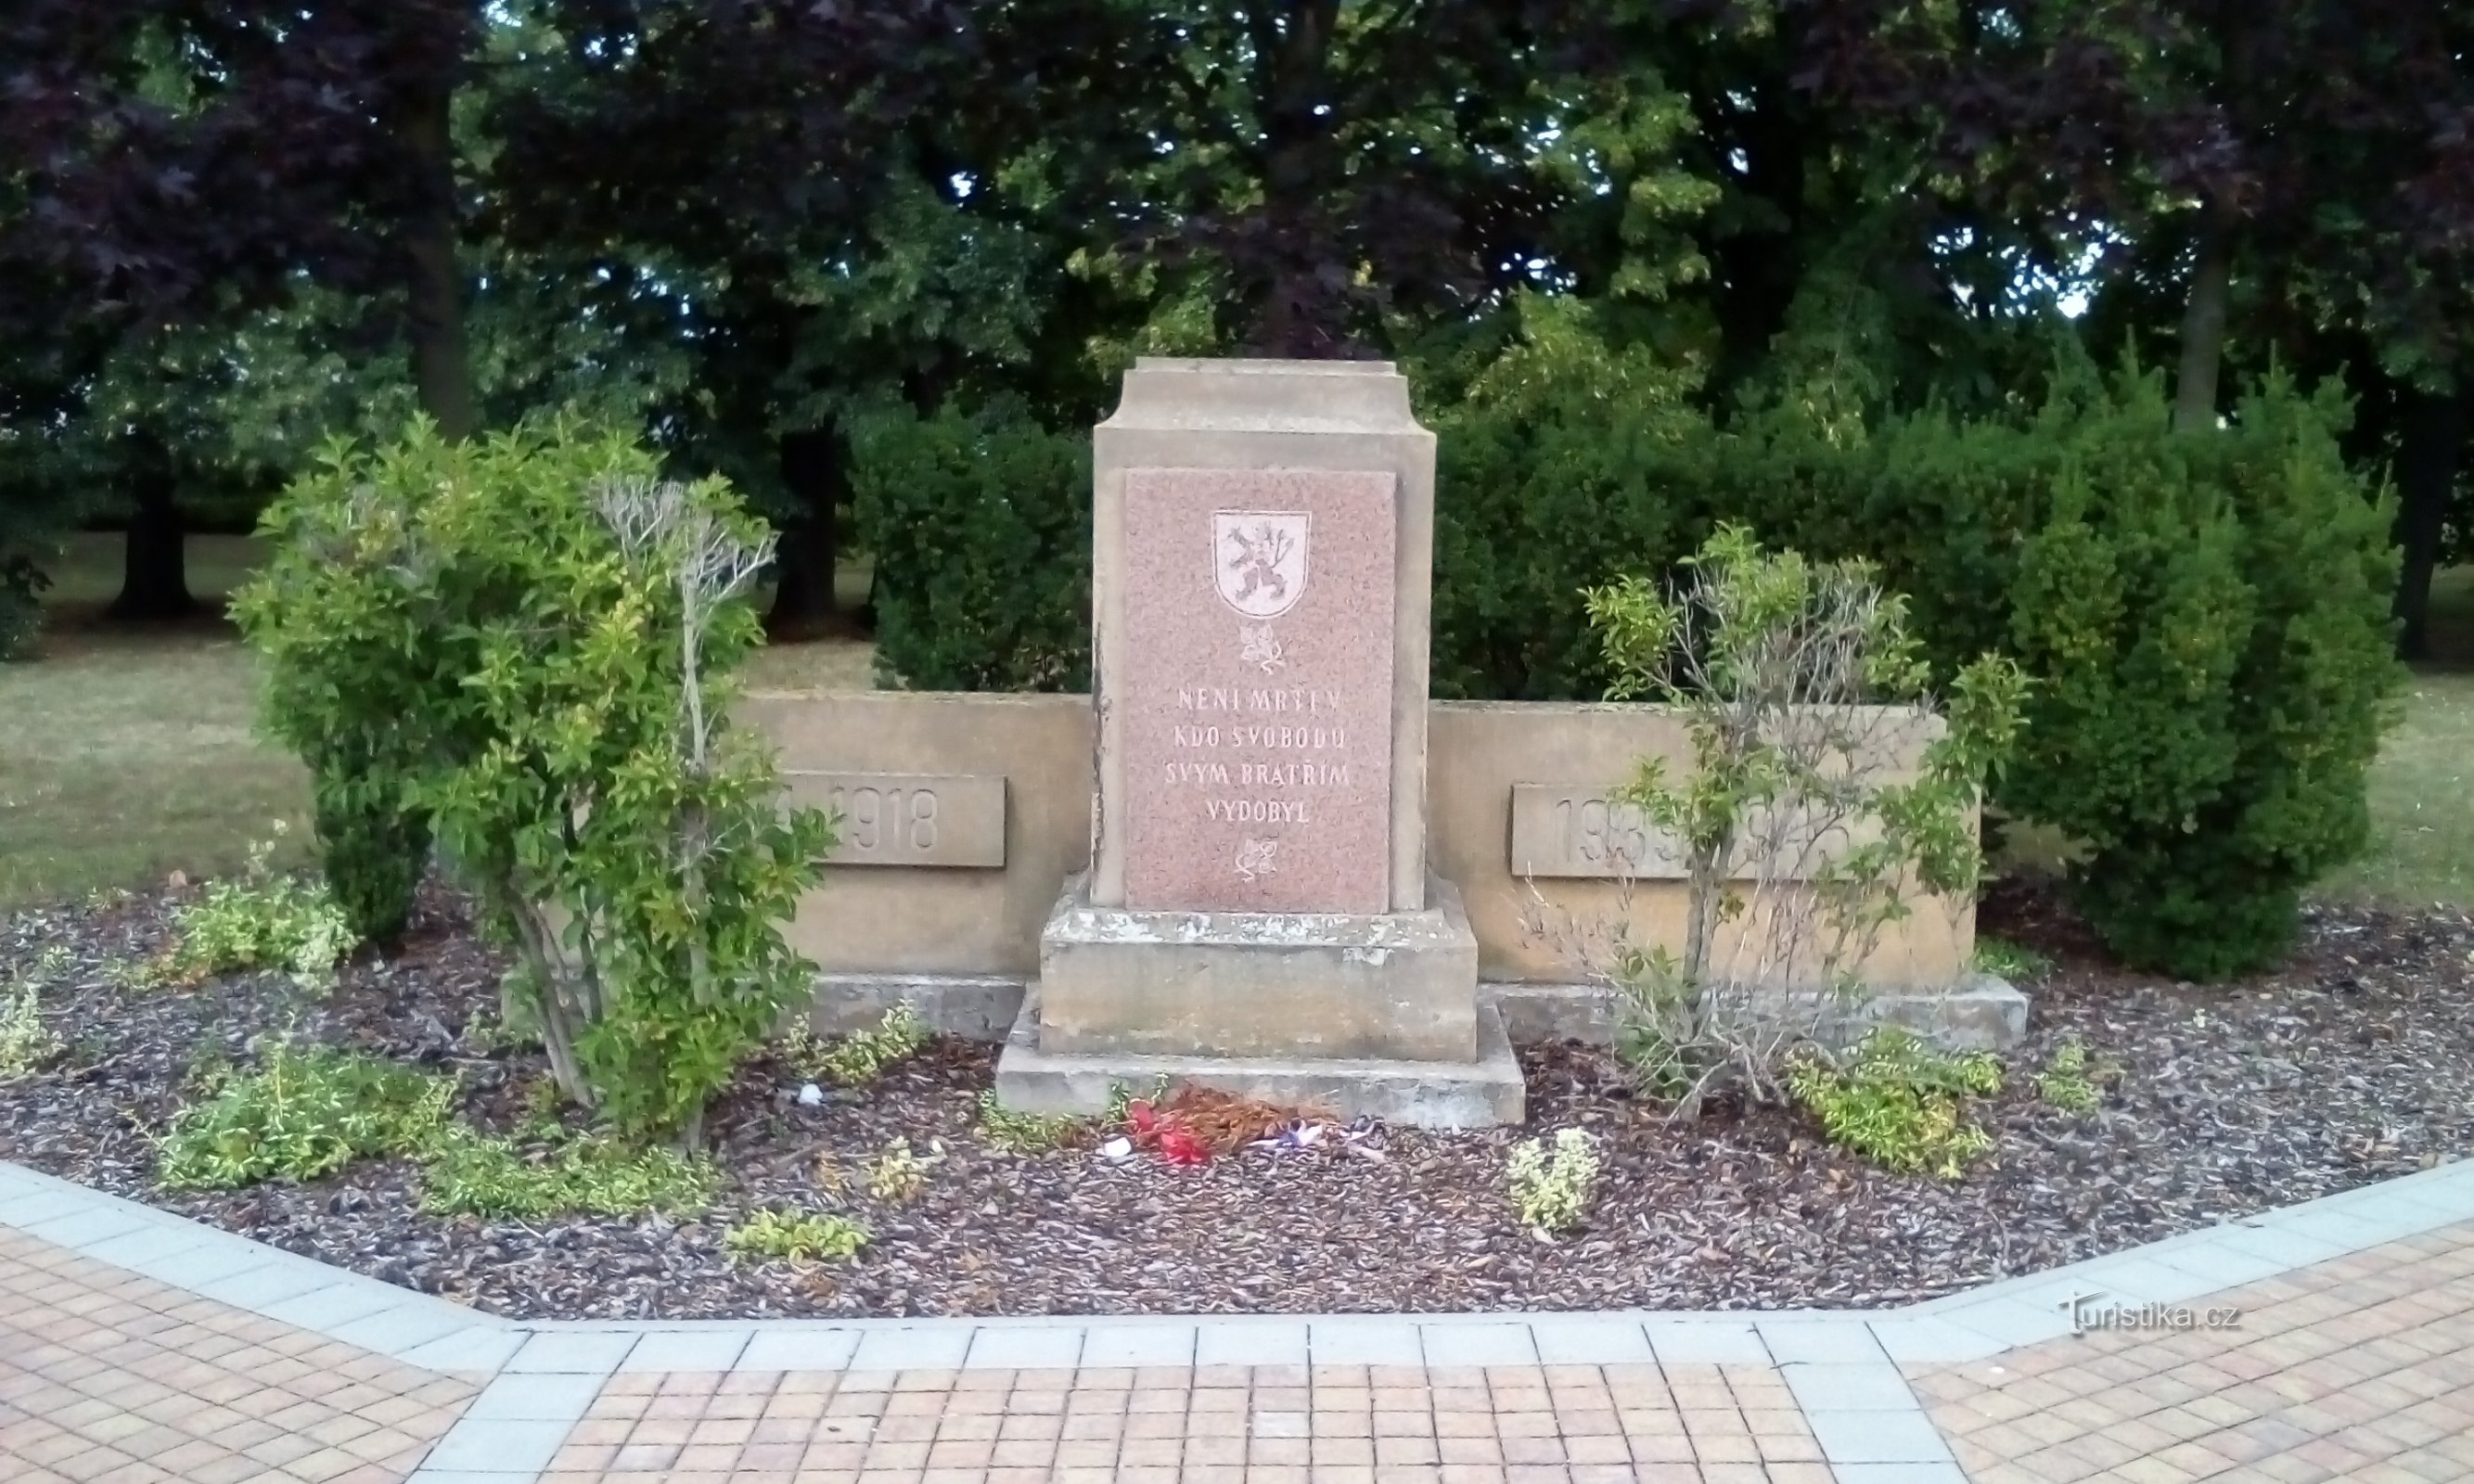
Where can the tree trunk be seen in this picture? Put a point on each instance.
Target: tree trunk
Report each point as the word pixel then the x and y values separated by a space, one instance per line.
pixel 155 579
pixel 2435 428
pixel 814 473
pixel 2203 322
pixel 442 360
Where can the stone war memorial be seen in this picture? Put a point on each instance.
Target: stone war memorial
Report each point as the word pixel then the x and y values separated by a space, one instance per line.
pixel 1258 857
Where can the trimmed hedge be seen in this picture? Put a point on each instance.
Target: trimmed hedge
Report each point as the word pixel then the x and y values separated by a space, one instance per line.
pixel 982 531
pixel 2204 618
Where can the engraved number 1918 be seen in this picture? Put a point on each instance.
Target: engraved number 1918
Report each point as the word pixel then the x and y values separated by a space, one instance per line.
pixel 891 818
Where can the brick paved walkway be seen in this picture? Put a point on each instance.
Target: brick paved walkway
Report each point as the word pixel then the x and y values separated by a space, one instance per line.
pixel 2357 1366
pixel 2360 1370
pixel 111 1378
pixel 1213 1424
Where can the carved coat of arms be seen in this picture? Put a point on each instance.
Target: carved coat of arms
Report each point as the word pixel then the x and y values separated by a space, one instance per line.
pixel 1259 560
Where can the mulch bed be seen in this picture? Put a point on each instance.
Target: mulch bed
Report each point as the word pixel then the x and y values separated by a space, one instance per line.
pixel 2354 1064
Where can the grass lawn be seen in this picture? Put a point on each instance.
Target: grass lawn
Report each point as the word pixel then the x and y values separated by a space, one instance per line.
pixel 127 754
pixel 2422 790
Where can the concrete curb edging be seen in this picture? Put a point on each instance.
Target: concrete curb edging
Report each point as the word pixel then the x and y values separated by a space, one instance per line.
pixel 1843 1366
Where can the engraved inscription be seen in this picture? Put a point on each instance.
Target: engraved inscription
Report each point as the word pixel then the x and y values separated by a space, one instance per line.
pixel 1575 829
pixel 1257 673
pixel 948 820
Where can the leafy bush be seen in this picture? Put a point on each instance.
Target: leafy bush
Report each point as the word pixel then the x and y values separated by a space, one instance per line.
pixel 26 1045
pixel 2006 960
pixel 473 1173
pixel 982 531
pixel 263 921
pixel 896 1176
pixel 2063 1083
pixel 1898 1102
pixel 526 639
pixel 304 1114
pixel 795 1236
pixel 2209 620
pixel 859 1058
pixel 374 845
pixel 1026 1134
pixel 2204 618
pixel 1801 839
pixel 1550 1191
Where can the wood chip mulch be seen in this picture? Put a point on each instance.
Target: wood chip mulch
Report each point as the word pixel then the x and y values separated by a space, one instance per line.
pixel 2353 1063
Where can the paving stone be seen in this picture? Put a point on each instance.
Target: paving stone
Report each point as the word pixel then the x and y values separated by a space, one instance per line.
pixel 1250 1343
pixel 1688 1342
pixel 1105 1344
pixel 911 1350
pixel 799 1349
pixel 687 1349
pixel 1466 1344
pixel 1357 1341
pixel 1012 1347
pixel 1850 1388
pixel 589 1351
pixel 1878 1438
pixel 535 1396
pixel 1847 1340
pixel 1589 1342
pixel 508 1447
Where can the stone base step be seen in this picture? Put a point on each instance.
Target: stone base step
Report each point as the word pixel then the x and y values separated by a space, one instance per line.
pixel 1479 1094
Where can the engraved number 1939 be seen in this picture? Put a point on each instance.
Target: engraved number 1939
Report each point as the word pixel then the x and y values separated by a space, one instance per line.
pixel 1599 833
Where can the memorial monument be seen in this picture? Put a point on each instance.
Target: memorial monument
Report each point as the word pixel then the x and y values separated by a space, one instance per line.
pixel 1258 915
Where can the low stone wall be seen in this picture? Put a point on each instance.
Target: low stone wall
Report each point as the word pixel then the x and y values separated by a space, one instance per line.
pixel 964 813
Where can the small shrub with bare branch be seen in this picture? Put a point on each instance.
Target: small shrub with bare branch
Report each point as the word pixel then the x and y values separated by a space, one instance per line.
pixel 545 629
pixel 1825 798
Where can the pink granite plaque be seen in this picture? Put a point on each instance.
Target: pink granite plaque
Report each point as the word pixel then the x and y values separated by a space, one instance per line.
pixel 1256 705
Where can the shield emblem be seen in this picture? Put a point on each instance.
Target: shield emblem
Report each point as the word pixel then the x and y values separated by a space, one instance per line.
pixel 1259 560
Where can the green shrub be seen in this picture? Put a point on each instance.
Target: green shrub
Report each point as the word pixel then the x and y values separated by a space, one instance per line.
pixel 1026 1134
pixel 373 846
pixel 2203 618
pixel 1551 1190
pixel 2006 960
pixel 263 921
pixel 861 1058
pixel 526 639
pixel 1898 1102
pixel 304 1114
pixel 26 1045
pixel 981 532
pixel 471 1173
pixel 795 1236
pixel 2208 618
pixel 2064 1083
pixel 1802 691
pixel 897 1176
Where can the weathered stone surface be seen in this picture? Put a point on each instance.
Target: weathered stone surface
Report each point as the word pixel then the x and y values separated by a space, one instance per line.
pixel 1392 984
pixel 1482 1092
pixel 952 819
pixel 1253 700
pixel 863 920
pixel 1981 1013
pixel 971 1007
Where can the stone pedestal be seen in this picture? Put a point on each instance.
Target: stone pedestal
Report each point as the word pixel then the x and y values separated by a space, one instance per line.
pixel 1258 915
pixel 1381 984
